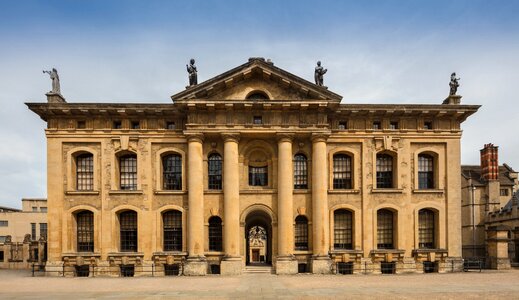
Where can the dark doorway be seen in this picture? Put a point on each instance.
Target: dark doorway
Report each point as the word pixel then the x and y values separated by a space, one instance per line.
pixel 258 237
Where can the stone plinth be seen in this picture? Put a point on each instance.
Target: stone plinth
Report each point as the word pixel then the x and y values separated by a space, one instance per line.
pixel 55 98
pixel 286 266
pixel 195 267
pixel 321 265
pixel 497 245
pixel 452 99
pixel 231 266
pixel 54 269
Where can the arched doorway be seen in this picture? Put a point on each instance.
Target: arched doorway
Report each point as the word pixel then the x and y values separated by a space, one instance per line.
pixel 258 238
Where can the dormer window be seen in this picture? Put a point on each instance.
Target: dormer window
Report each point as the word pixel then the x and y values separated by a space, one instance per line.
pixel 257 95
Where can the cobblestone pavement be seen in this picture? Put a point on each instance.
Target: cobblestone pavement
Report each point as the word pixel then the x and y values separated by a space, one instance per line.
pixel 471 285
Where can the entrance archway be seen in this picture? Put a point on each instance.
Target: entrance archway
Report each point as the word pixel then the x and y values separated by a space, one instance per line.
pixel 258 238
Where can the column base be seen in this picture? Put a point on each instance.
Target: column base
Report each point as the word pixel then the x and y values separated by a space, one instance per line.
pixel 54 268
pixel 231 266
pixel 286 265
pixel 321 265
pixel 499 263
pixel 451 264
pixel 195 266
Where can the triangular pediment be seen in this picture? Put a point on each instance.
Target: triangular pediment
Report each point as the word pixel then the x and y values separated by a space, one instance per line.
pixel 257 76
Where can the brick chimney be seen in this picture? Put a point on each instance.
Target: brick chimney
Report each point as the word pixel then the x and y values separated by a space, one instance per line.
pixel 489 162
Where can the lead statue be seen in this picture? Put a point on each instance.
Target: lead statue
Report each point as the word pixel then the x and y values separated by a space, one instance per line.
pixel 191 69
pixel 55 80
pixel 454 84
pixel 319 74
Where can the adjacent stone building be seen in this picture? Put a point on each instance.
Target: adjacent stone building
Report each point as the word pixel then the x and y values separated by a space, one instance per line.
pixel 135 188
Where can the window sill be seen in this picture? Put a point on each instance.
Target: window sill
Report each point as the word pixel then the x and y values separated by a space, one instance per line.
pixel 213 192
pixel 121 254
pixel 171 192
pixel 428 191
pixel 389 191
pixel 82 193
pixel 301 191
pixel 302 252
pixel 345 191
pixel 81 254
pixel 346 251
pixel 125 192
pixel 166 253
pixel 214 253
pixel 422 250
pixel 385 251
pixel 258 191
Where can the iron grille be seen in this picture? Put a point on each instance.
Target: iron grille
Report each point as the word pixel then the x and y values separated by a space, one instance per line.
pixel 172 221
pixel 215 234
pixel 342 229
pixel 172 172
pixel 430 267
pixel 300 171
pixel 215 172
pixel 82 271
pixel 384 229
pixel 425 171
pixel 426 229
pixel 345 268
pixel 387 267
pixel 301 233
pixel 127 270
pixel 172 270
pixel 342 171
pixel 128 224
pixel 258 176
pixel 302 268
pixel 215 269
pixel 85 172
pixel 85 231
pixel 384 171
pixel 128 172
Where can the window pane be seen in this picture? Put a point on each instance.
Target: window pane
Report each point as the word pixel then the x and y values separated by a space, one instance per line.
pixel 301 233
pixel 172 172
pixel 341 172
pixel 425 172
pixel 300 172
pixel 215 234
pixel 426 229
pixel 172 222
pixel 128 225
pixel 384 171
pixel 258 176
pixel 85 172
pixel 128 172
pixel 43 230
pixel 342 229
pixel 85 231
pixel 215 172
pixel 384 229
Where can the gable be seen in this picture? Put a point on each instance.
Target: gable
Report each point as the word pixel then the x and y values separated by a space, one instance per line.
pixel 257 75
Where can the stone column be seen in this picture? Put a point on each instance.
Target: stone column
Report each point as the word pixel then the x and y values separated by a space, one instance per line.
pixel 321 263
pixel 497 245
pixel 232 262
pixel 196 263
pixel 286 262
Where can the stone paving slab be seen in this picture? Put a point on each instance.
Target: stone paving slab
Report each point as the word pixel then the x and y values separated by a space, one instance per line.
pixel 16 284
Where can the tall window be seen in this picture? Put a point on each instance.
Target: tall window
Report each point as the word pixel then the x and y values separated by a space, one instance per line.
pixel 43 230
pixel 33 231
pixel 128 225
pixel 385 229
pixel 215 171
pixel 300 171
pixel 85 172
pixel 384 171
pixel 215 234
pixel 128 172
pixel 425 171
pixel 172 172
pixel 85 231
pixel 301 233
pixel 426 229
pixel 341 171
pixel 342 229
pixel 172 221
pixel 258 176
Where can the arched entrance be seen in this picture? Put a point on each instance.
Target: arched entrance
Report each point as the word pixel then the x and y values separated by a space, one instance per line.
pixel 258 238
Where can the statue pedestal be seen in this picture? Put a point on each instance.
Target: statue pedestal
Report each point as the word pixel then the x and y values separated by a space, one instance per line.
pixel 55 98
pixel 452 99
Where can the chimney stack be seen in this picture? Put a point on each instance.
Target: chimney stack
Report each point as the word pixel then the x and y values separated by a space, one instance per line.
pixel 489 162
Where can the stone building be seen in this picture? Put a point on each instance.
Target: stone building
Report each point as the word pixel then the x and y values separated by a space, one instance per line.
pixel 489 200
pixel 23 234
pixel 358 187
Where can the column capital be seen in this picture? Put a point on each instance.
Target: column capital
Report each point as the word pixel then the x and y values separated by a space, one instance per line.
pixel 231 137
pixel 195 137
pixel 319 137
pixel 285 137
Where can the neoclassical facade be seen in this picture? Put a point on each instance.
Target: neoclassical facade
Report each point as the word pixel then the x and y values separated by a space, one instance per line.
pixel 254 156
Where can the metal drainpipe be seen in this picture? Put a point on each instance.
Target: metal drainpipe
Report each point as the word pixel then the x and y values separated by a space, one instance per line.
pixel 472 191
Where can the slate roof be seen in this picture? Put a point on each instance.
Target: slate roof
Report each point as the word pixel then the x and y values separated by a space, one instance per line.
pixel 474 172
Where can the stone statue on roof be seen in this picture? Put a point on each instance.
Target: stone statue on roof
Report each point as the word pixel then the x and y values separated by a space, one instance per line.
pixel 55 81
pixel 191 69
pixel 454 84
pixel 319 74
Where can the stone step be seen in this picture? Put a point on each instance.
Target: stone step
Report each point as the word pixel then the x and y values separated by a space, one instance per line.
pixel 257 270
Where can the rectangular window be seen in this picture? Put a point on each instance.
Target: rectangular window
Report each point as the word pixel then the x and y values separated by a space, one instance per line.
pixel 33 231
pixel 172 230
pixel 427 125
pixel 85 172
pixel 257 120
pixel 85 231
pixel 136 125
pixel 384 229
pixel 426 229
pixel 35 208
pixel 1 256
pixel 342 230
pixel 4 223
pixel 2 239
pixel 117 125
pixel 43 209
pixel 128 172
pixel 343 125
pixel 377 125
pixel 301 233
pixel 81 124
pixel 393 125
pixel 425 172
pixel 170 125
pixel 384 171
pixel 43 230
pixel 300 171
pixel 504 192
pixel 342 171
pixel 258 176
pixel 128 223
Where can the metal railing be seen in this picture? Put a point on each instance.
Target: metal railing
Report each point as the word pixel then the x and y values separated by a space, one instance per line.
pixel 114 271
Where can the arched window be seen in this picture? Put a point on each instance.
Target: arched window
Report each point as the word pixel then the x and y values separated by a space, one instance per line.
pixel 172 223
pixel 425 171
pixel 257 95
pixel 85 231
pixel 384 171
pixel 128 172
pixel 385 229
pixel 426 224
pixel 342 229
pixel 172 172
pixel 301 233
pixel 300 171
pixel 85 172
pixel 128 228
pixel 215 234
pixel 342 171
pixel 215 171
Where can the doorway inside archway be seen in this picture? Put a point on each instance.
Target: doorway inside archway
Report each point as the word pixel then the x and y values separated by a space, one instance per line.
pixel 258 238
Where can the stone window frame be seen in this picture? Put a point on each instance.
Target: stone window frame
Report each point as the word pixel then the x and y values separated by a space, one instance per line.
pixel 304 173
pixel 440 227
pixel 159 179
pixel 351 229
pixel 439 168
pixel 396 170
pixel 72 224
pixel 335 159
pixel 397 225
pixel 209 234
pixel 163 229
pixel 269 152
pixel 434 228
pixel 355 165
pixel 209 155
pixel 356 224
pixel 116 228
pixel 72 155
pixel 306 225
pixel 159 241
pixel 115 176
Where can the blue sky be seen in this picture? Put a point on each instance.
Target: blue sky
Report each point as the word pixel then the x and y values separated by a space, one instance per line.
pixel 136 51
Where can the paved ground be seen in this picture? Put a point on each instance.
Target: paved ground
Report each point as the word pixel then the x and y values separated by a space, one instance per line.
pixel 472 285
